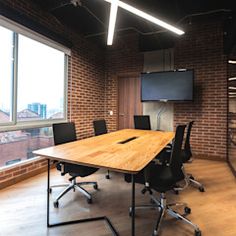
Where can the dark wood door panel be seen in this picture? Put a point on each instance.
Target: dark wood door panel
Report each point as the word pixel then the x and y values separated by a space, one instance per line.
pixel 129 103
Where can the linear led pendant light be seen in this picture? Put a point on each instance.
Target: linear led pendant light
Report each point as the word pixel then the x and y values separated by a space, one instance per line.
pixel 113 13
pixel 232 61
pixel 112 21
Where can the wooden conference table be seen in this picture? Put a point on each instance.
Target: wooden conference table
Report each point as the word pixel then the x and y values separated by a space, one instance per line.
pixel 125 151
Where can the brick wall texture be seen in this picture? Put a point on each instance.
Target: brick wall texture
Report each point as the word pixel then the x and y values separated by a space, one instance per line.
pixel 201 49
pixel 94 72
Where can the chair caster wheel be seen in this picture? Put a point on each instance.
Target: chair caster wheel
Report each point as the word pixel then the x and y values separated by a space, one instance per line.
pixel 154 233
pixel 50 190
pixel 56 204
pixel 201 189
pixel 107 176
pixel 198 233
pixel 89 201
pixel 187 210
pixel 95 186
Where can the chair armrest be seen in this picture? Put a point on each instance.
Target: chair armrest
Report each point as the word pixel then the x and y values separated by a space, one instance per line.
pixel 61 167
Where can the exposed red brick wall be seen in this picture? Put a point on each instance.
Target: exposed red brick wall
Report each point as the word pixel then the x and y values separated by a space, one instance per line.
pixel 20 172
pixel 201 49
pixel 86 84
pixel 86 98
pixel 122 59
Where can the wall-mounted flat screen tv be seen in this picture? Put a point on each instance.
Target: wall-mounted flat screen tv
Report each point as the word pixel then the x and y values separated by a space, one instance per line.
pixel 167 86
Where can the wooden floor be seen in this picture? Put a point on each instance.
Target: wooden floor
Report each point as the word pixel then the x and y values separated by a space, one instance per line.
pixel 23 206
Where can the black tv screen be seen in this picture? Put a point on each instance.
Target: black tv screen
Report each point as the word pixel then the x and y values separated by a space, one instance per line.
pixel 168 85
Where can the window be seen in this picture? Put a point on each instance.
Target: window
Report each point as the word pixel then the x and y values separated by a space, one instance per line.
pixel 6 75
pixel 40 81
pixel 17 146
pixel 33 91
pixel 33 79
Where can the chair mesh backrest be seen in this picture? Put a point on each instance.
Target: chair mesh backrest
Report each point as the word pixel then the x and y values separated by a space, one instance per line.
pixel 187 147
pixel 142 122
pixel 176 160
pixel 99 127
pixel 64 133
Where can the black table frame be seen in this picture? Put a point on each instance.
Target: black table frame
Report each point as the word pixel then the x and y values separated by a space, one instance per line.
pixel 113 230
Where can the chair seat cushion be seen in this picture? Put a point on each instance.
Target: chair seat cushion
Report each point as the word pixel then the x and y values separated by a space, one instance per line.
pixel 76 170
pixel 160 178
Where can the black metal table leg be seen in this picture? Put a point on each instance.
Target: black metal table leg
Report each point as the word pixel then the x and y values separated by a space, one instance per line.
pixel 48 192
pixel 133 206
pixel 113 230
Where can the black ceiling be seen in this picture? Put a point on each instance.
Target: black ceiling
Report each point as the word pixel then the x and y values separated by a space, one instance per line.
pixel 90 17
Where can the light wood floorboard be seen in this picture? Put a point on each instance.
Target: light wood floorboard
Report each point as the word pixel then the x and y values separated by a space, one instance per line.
pixel 23 206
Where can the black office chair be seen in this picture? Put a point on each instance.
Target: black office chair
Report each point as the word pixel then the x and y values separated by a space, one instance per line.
pixel 64 133
pixel 142 122
pixel 100 128
pixel 186 155
pixel 162 179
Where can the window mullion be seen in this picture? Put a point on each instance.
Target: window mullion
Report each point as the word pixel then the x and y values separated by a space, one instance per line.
pixel 65 107
pixel 15 77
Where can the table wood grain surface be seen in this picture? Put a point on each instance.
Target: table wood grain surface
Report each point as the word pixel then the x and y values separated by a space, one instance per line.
pixel 106 151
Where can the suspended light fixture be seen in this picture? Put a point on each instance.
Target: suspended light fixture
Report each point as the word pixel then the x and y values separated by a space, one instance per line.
pixel 113 14
pixel 112 21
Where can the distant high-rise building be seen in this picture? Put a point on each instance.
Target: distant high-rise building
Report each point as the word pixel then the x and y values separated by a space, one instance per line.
pixel 40 109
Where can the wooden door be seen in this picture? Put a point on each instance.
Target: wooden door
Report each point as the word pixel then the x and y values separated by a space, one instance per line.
pixel 129 101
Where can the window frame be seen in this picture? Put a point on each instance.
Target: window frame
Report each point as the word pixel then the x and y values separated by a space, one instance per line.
pixel 17 125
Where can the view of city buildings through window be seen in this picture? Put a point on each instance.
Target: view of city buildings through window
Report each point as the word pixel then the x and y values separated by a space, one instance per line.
pixel 16 146
pixel 32 89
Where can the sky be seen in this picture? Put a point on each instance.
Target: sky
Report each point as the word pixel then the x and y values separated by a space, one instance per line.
pixel 40 72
